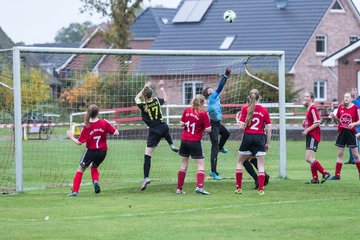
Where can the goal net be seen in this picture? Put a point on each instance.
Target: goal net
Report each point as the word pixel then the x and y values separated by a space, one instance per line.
pixel 54 86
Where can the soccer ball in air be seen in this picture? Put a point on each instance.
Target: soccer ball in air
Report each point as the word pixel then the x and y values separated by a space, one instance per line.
pixel 229 16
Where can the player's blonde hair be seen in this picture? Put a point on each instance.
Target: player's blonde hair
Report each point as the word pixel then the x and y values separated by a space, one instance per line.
pixel 147 95
pixel 252 99
pixel 198 102
pixel 92 112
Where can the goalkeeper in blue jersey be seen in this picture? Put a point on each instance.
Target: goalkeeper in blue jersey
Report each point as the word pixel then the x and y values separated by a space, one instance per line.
pixel 215 114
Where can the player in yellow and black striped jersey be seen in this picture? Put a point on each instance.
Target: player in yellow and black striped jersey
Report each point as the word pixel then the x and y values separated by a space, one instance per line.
pixel 152 115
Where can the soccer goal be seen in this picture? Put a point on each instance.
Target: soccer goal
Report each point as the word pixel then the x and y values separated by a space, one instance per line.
pixel 62 82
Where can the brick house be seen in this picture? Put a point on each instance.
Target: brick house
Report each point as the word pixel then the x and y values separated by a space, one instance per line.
pixel 338 27
pixel 345 65
pixel 308 31
pixel 145 29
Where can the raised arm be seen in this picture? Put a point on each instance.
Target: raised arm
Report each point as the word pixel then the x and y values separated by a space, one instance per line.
pixel 138 96
pixel 162 89
pixel 223 80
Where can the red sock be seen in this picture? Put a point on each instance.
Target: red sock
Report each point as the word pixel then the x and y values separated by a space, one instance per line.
pixel 238 177
pixel 77 181
pixel 181 178
pixel 358 167
pixel 261 179
pixel 314 173
pixel 338 169
pixel 94 174
pixel 200 177
pixel 318 166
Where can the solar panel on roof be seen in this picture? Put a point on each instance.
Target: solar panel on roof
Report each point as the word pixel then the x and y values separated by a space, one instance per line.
pixel 192 11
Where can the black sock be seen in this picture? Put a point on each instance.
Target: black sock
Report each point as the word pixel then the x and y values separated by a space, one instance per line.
pixel 254 162
pixel 147 165
pixel 249 168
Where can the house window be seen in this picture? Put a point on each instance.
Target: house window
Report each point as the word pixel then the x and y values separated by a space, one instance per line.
pixel 227 42
pixel 320 90
pixel 321 44
pixel 337 7
pixel 353 39
pixel 68 73
pixel 190 89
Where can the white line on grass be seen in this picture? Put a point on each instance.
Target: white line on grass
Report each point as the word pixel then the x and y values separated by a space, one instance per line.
pixel 181 211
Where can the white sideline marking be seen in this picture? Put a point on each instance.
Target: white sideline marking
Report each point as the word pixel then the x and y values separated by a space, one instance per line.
pixel 190 210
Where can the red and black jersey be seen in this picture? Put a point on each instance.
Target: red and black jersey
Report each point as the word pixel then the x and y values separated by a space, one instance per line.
pixel 347 116
pixel 259 119
pixel 151 112
pixel 195 122
pixel 311 117
pixel 95 135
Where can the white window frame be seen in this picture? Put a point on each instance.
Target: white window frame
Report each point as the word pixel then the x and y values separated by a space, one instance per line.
pixel 317 92
pixel 193 89
pixel 342 10
pixel 325 44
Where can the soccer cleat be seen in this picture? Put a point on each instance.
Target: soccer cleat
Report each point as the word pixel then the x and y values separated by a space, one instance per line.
pixel 256 185
pixel 261 192
pixel 326 176
pixel 201 191
pixel 180 191
pixel 174 148
pixel 73 194
pixel 97 187
pixel 238 191
pixel 215 176
pixel 223 150
pixel 267 177
pixel 334 178
pixel 312 181
pixel 145 183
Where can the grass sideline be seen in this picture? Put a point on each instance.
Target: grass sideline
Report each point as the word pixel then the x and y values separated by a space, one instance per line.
pixel 289 210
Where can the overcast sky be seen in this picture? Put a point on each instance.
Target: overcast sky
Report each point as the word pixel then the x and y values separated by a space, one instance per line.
pixel 37 21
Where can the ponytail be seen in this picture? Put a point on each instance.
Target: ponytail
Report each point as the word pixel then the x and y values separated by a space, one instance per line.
pixel 92 112
pixel 252 98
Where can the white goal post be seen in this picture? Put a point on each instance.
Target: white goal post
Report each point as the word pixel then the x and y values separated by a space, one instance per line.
pixel 17 51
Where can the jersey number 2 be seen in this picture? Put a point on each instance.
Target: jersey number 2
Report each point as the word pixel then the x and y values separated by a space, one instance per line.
pixel 256 122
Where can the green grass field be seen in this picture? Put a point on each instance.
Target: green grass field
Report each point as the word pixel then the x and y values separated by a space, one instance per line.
pixel 289 209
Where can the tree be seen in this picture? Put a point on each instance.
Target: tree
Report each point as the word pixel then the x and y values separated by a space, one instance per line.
pixel 122 14
pixel 73 33
pixel 34 88
pixel 83 94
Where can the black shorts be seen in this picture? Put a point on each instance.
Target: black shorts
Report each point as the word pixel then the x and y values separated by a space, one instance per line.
pixel 346 137
pixel 156 133
pixel 311 143
pixel 96 157
pixel 253 144
pixel 193 149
